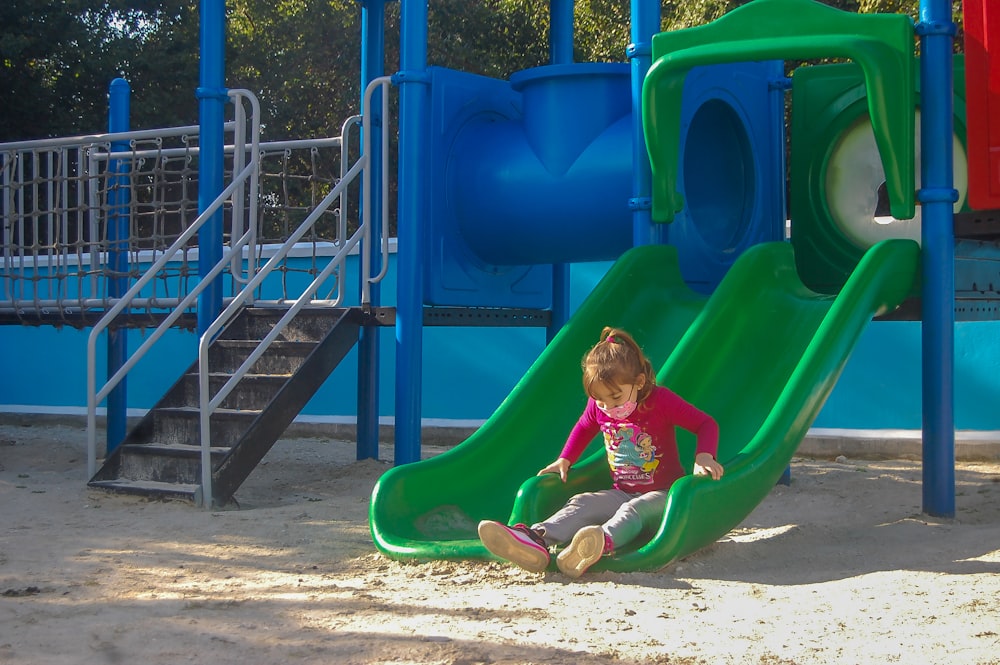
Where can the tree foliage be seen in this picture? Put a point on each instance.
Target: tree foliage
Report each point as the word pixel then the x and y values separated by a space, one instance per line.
pixel 57 58
pixel 301 57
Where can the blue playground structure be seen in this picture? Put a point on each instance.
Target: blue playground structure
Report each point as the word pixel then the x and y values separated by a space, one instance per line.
pixel 503 185
pixel 721 101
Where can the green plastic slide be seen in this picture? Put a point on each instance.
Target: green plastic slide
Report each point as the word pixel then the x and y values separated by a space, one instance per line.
pixel 431 508
pixel 762 355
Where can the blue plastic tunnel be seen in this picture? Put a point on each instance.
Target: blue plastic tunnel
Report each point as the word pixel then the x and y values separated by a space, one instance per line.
pixel 554 185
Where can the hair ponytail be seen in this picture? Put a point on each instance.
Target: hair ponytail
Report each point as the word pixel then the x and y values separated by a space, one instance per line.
pixel 617 359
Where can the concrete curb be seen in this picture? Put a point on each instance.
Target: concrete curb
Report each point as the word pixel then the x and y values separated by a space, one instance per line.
pixel 894 444
pixel 819 443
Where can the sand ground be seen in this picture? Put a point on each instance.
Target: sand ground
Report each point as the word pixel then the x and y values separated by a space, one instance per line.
pixel 840 566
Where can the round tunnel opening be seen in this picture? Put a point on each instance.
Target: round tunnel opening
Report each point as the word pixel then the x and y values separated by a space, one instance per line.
pixel 719 175
pixel 855 189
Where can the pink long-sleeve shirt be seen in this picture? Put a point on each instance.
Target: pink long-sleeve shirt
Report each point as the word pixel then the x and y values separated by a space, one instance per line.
pixel 642 449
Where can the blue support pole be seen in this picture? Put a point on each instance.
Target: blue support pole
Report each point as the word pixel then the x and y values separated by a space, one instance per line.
pixel 372 67
pixel 937 196
pixel 561 36
pixel 414 112
pixel 561 32
pixel 645 24
pixel 212 97
pixel 560 300
pixel 119 95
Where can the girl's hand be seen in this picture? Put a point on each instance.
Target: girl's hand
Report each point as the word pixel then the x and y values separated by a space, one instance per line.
pixel 560 466
pixel 706 465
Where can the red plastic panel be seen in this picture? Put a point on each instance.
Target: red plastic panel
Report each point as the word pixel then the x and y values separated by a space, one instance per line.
pixel 982 89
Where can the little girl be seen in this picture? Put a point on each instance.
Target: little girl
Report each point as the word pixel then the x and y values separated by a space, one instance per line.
pixel 637 418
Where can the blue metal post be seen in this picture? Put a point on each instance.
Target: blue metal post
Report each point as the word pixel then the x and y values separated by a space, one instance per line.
pixel 372 67
pixel 645 24
pixel 560 300
pixel 937 196
pixel 414 102
pixel 212 97
pixel 561 32
pixel 561 36
pixel 118 238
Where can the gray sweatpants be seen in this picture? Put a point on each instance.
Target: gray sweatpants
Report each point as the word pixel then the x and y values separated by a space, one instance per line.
pixel 622 515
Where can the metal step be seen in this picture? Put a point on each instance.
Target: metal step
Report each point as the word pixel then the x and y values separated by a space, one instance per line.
pixel 226 356
pixel 252 393
pixel 309 325
pixel 182 425
pixel 162 455
pixel 166 463
pixel 187 492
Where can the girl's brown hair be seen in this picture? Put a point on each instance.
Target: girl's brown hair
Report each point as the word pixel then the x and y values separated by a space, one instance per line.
pixel 617 360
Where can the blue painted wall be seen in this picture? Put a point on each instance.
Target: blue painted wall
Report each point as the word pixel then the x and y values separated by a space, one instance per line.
pixel 469 371
pixel 881 385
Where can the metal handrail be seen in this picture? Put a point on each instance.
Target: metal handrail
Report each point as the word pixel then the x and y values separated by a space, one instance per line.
pixel 93 395
pixel 366 199
pixel 207 404
pixel 108 138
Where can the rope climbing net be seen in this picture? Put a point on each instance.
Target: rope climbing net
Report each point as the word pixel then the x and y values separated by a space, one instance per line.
pixel 84 217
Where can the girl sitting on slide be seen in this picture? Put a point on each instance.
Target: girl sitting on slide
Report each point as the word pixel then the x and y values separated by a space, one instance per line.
pixel 637 419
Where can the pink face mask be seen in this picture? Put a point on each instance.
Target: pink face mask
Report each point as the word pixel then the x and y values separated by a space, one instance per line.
pixel 621 411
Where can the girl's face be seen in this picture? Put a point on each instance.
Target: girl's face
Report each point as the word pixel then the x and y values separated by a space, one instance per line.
pixel 609 396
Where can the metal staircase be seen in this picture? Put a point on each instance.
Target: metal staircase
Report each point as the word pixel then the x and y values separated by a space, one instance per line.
pixel 162 455
pixel 260 361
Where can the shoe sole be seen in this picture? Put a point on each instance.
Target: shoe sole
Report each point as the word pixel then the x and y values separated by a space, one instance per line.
pixel 586 548
pixel 500 542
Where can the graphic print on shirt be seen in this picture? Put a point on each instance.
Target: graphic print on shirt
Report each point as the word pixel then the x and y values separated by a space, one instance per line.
pixel 631 453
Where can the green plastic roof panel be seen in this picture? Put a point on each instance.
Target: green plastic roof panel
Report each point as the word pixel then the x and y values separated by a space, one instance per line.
pixel 882 44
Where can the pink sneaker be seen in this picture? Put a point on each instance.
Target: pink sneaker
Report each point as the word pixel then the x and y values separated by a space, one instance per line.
pixel 587 547
pixel 517 544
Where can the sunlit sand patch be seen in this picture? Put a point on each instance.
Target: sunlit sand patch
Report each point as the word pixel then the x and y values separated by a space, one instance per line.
pixel 753 535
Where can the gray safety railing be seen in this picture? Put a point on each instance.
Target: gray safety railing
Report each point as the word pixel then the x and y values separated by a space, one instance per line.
pixel 244 184
pixel 207 403
pixel 360 168
pixel 60 197
pixel 54 202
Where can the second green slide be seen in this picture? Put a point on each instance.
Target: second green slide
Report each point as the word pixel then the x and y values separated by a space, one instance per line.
pixel 762 355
